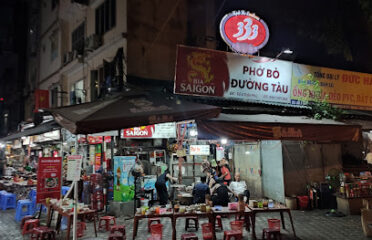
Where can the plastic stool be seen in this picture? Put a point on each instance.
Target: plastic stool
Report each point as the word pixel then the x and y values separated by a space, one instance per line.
pixel 64 190
pixel 30 225
pixel 219 222
pixel 189 236
pixel 151 221
pixel 107 220
pixel 157 230
pixel 81 227
pixel 24 219
pixel 43 233
pixel 19 211
pixel 271 233
pixel 207 231
pixel 196 223
pixel 8 200
pixel 32 194
pixel 116 236
pixel 236 234
pixel 118 228
pixel 247 223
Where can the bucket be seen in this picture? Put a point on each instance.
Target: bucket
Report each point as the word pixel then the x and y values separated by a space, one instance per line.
pixel 145 202
pixel 291 203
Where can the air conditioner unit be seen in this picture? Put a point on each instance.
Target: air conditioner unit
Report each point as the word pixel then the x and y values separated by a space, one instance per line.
pixel 68 57
pixel 92 42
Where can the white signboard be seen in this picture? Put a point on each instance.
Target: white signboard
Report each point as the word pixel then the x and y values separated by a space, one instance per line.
pixel 162 130
pixel 74 167
pixel 220 153
pixel 199 150
pixel 266 80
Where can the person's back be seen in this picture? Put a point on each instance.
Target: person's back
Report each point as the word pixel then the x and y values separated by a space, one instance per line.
pixel 200 190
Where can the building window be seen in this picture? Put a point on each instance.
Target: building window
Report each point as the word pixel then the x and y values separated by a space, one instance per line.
pixel 77 93
pixel 77 38
pixel 54 45
pixel 54 4
pixel 105 16
pixel 54 97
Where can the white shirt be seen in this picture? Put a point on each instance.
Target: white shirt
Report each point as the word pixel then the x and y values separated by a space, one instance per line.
pixel 238 187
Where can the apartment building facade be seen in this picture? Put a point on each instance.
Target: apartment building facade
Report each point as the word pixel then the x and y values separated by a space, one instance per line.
pixel 89 48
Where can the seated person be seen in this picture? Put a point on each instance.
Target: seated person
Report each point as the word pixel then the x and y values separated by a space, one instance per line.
pixel 200 190
pixel 240 187
pixel 220 194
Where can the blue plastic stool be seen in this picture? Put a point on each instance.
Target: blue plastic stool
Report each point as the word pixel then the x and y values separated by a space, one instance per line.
pixel 36 207
pixel 65 190
pixel 19 211
pixel 1 194
pixel 32 194
pixel 8 200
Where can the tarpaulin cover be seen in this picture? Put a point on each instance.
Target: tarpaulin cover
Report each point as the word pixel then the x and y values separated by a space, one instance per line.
pixel 256 127
pixel 129 110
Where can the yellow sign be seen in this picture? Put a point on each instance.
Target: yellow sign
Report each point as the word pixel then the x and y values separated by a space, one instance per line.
pixel 345 88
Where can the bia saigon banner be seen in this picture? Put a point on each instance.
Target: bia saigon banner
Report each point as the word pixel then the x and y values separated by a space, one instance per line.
pixel 123 179
pixel 204 72
pixel 345 88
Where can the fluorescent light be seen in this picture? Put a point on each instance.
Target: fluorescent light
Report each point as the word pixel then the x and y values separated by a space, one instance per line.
pixel 287 51
pixel 193 132
pixel 247 152
pixel 223 141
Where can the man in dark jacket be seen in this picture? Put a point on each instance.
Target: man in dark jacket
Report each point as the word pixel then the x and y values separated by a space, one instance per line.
pixel 200 190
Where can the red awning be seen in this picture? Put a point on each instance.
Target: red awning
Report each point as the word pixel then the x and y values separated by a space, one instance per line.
pixel 129 110
pixel 270 127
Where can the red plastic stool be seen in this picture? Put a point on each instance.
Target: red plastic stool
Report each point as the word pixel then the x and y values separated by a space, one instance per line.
pixel 107 220
pixel 154 238
pixel 271 233
pixel 236 234
pixel 219 222
pixel 81 227
pixel 42 233
pixel 24 219
pixel 247 223
pixel 207 231
pixel 188 225
pixel 29 225
pixel 157 230
pixel 118 228
pixel 116 236
pixel 151 221
pixel 189 236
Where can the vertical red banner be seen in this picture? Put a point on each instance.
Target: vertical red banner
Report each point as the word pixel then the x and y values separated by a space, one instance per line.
pixel 41 99
pixel 49 178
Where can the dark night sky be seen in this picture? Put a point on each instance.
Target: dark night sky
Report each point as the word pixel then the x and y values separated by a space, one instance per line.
pixel 310 28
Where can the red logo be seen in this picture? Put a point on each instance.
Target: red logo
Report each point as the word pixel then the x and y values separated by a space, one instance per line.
pixel 139 132
pixel 244 32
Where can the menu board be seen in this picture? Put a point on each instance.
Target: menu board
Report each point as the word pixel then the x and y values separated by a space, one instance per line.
pixel 199 150
pixel 74 167
pixel 49 178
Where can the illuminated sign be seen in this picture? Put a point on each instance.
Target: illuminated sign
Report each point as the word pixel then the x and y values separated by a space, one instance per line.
pixel 244 32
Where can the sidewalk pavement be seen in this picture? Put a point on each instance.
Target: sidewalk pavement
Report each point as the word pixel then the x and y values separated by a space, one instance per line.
pixel 309 225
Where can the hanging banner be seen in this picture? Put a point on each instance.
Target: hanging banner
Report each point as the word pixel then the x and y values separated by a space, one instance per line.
pixel 344 88
pixel 97 161
pixel 74 167
pixel 48 178
pixel 41 99
pixel 204 72
pixel 98 139
pixel 123 178
pixel 162 130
